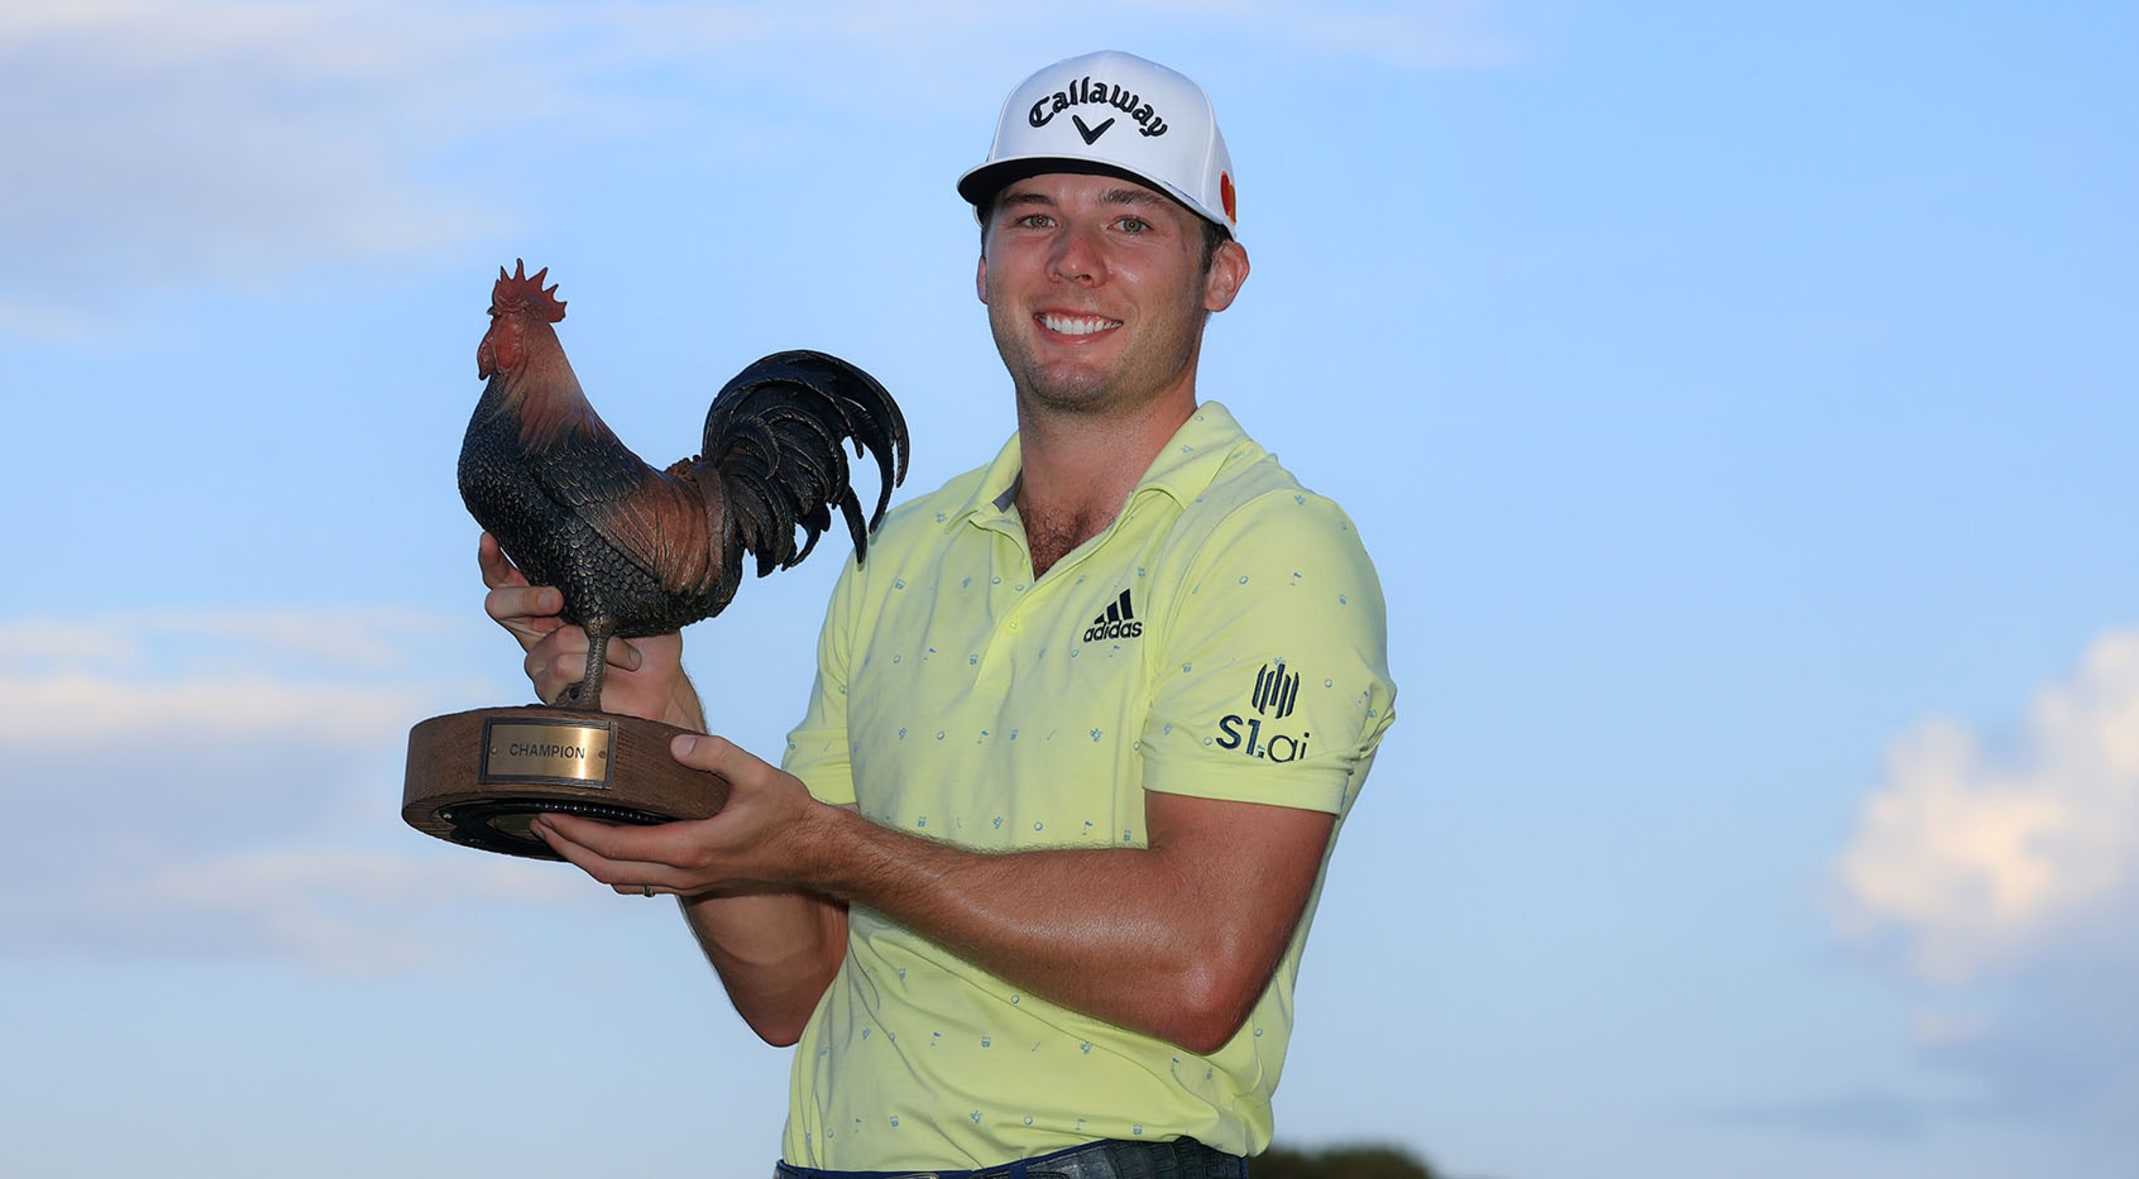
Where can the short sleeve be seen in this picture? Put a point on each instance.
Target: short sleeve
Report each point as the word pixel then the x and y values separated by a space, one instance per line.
pixel 819 750
pixel 1273 683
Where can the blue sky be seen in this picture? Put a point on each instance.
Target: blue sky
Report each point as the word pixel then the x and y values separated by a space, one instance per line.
pixel 1738 405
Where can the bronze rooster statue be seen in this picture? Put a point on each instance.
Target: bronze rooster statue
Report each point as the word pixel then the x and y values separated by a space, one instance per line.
pixel 637 551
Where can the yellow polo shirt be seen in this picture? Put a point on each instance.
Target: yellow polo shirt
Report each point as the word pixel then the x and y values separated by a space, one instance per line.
pixel 1224 638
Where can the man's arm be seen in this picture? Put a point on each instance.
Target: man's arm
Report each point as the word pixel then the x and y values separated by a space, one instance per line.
pixel 775 951
pixel 1176 939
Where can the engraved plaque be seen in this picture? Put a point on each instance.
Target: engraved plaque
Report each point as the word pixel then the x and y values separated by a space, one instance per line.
pixel 567 753
pixel 479 778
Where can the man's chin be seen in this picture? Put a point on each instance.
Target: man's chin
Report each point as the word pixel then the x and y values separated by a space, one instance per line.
pixel 1066 385
pixel 1073 396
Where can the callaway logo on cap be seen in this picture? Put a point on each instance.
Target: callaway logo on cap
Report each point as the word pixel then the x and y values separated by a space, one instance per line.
pixel 1123 113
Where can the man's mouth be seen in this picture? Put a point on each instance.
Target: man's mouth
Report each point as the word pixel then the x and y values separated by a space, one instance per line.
pixel 1076 325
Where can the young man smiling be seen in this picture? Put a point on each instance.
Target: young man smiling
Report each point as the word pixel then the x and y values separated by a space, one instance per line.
pixel 1032 884
pixel 1097 291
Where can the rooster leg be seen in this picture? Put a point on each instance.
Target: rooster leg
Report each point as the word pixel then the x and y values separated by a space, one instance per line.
pixel 587 693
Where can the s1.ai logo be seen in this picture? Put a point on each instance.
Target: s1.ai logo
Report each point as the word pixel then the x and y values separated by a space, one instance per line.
pixel 1280 746
pixel 1274 692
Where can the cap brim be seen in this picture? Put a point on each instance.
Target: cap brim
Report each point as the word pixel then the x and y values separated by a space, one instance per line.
pixel 980 185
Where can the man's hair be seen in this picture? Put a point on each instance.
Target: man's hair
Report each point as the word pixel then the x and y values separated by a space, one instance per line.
pixel 1214 234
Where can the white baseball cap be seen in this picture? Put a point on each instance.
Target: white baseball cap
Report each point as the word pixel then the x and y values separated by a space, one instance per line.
pixel 1112 112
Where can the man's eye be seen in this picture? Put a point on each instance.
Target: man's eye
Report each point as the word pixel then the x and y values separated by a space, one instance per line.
pixel 1135 224
pixel 1034 221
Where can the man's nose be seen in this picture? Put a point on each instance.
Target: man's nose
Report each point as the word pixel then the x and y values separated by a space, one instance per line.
pixel 1076 257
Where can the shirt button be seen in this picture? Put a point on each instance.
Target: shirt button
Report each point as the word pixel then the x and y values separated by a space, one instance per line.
pixel 1014 624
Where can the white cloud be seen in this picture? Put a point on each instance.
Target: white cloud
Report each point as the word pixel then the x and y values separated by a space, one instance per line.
pixel 2001 875
pixel 353 911
pixel 1974 861
pixel 942 35
pixel 27 319
pixel 153 143
pixel 343 639
pixel 76 708
pixel 225 784
pixel 328 677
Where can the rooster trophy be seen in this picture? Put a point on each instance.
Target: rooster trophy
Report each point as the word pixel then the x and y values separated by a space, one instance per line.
pixel 636 551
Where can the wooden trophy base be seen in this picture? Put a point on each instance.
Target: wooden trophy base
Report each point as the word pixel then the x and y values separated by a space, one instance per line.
pixel 479 778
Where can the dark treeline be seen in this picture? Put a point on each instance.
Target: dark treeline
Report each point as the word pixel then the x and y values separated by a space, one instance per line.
pixel 1340 1162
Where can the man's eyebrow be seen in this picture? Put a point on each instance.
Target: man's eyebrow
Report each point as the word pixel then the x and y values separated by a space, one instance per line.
pixel 1125 195
pixel 1130 196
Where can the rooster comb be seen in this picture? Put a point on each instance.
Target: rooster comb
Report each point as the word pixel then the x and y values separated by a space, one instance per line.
pixel 520 291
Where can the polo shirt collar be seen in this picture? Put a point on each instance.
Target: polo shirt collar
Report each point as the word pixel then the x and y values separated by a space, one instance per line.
pixel 1187 464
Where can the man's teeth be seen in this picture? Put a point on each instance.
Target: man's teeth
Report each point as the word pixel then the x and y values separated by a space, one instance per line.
pixel 1077 325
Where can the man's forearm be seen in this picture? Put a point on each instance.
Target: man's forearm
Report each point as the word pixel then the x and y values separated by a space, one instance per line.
pixel 1176 940
pixel 775 953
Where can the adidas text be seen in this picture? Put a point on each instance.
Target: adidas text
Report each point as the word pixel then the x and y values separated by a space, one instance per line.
pixel 1113 630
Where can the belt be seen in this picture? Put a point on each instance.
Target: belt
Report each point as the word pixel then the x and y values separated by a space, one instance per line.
pixel 1183 1158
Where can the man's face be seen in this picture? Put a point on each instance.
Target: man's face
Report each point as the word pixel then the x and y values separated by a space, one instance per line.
pixel 1095 290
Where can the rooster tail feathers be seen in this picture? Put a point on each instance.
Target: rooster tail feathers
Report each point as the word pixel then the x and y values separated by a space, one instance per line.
pixel 776 437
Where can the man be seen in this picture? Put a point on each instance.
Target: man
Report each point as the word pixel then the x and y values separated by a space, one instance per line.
pixel 1033 883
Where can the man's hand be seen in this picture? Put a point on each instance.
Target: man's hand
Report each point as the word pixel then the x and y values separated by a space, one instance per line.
pixel 760 841
pixel 645 675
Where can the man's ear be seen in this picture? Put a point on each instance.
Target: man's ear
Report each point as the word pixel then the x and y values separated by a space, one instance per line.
pixel 1229 269
pixel 980 279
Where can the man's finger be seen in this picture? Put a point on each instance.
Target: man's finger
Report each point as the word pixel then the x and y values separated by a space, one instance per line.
pixel 498 569
pixel 509 603
pixel 608 846
pixel 602 868
pixel 701 752
pixel 622 654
